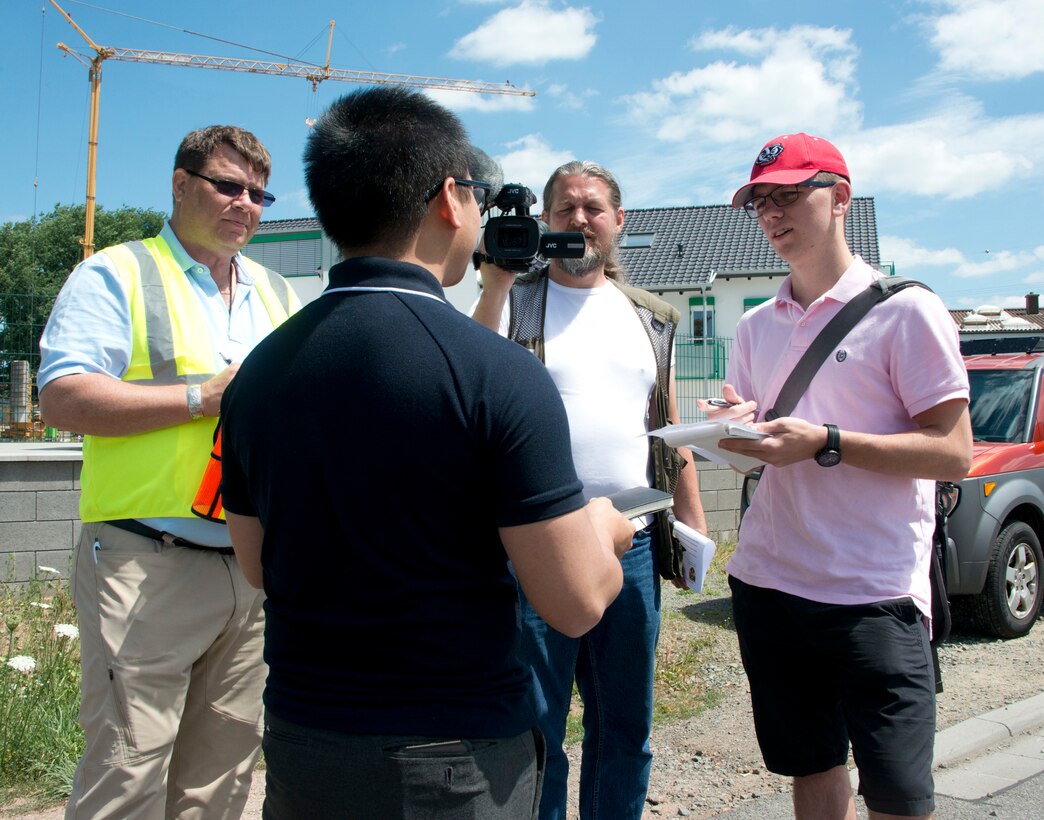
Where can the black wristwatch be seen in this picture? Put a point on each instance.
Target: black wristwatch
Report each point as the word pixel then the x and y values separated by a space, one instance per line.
pixel 830 455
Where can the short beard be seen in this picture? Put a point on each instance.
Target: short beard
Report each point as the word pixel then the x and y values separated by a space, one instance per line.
pixel 594 257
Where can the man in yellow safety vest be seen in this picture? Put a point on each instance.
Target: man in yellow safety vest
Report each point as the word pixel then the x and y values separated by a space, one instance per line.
pixel 140 346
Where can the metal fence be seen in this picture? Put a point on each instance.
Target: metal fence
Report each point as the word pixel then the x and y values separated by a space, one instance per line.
pixel 700 366
pixel 22 319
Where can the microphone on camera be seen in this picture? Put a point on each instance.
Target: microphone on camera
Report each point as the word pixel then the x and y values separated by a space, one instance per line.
pixel 486 169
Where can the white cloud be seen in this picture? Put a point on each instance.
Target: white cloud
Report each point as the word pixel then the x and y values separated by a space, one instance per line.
pixel 530 33
pixel 997 300
pixel 726 101
pixel 566 98
pixel 955 153
pixel 990 39
pixel 909 256
pixel 295 201
pixel 484 103
pixel 530 161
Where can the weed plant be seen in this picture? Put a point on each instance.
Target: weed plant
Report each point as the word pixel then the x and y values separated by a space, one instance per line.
pixel 679 688
pixel 40 739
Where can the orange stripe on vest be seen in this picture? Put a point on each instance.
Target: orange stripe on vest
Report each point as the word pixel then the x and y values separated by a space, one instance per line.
pixel 207 503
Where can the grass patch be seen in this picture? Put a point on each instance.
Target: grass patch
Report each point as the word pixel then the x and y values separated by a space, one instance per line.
pixel 686 646
pixel 40 739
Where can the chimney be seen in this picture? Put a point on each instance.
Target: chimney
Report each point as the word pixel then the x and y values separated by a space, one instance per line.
pixel 1032 304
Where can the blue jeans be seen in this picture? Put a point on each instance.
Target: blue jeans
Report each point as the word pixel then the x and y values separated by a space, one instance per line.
pixel 613 667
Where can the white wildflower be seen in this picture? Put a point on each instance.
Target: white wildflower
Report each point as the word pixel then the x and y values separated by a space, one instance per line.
pixel 51 570
pixel 37 603
pixel 67 630
pixel 22 663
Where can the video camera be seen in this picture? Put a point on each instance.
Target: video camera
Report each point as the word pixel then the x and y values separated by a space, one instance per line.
pixel 520 242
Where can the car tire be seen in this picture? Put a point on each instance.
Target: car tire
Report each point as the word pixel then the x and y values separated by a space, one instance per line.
pixel 1010 601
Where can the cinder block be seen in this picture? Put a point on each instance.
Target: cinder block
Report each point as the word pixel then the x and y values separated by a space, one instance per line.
pixel 34 536
pixel 17 506
pixel 60 560
pixel 723 521
pixel 36 475
pixel 17 567
pixel 730 500
pixel 77 468
pixel 710 501
pixel 717 480
pixel 55 505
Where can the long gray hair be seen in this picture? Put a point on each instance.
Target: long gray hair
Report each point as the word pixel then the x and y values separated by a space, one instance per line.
pixel 585 168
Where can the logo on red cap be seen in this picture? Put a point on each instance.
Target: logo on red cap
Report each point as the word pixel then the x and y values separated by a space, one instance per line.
pixel 769 154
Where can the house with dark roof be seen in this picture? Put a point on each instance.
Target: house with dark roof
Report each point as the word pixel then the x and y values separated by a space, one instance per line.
pixel 713 263
pixel 300 251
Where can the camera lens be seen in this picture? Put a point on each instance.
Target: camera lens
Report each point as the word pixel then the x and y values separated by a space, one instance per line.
pixel 513 239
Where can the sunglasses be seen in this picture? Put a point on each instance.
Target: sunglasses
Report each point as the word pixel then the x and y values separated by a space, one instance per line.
pixel 233 190
pixel 481 190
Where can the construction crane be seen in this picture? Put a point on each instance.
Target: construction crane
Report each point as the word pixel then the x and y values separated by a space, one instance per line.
pixel 314 74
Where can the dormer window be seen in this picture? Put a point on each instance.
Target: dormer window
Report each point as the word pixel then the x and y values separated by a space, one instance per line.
pixel 636 240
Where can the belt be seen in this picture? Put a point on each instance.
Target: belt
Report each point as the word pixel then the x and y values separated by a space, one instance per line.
pixel 145 531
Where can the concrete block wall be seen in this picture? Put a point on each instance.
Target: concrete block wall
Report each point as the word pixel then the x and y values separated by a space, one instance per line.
pixel 40 493
pixel 39 517
pixel 720 493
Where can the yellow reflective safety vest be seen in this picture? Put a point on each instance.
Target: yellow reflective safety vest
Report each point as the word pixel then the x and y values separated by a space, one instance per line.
pixel 156 474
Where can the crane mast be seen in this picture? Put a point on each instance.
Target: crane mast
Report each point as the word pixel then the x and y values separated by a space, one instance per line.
pixel 314 74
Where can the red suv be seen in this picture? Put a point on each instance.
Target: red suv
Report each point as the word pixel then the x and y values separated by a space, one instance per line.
pixel 994 560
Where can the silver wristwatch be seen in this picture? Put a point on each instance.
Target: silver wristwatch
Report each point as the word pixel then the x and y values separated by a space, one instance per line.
pixel 194 396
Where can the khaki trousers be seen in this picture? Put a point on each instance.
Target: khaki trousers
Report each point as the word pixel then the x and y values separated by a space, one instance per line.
pixel 171 642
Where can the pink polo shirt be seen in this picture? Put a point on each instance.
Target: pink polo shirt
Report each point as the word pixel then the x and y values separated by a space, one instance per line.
pixel 842 534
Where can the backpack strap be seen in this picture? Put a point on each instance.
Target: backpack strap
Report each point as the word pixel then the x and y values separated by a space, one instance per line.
pixel 829 338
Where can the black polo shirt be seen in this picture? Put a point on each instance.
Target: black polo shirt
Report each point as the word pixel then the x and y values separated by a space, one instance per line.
pixel 382 437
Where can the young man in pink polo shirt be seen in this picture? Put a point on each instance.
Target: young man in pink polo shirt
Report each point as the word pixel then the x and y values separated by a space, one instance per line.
pixel 830 579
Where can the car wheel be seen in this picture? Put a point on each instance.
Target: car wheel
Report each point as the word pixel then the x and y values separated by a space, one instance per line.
pixel 1010 601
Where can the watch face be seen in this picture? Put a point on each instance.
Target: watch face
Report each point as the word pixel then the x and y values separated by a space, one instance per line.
pixel 828 458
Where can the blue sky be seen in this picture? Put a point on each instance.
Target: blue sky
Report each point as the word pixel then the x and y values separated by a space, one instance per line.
pixel 938 105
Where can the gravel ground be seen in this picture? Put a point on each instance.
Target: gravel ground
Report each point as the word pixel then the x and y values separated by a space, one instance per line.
pixel 709 763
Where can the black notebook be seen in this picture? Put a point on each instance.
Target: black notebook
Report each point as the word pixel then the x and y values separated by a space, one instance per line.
pixel 640 501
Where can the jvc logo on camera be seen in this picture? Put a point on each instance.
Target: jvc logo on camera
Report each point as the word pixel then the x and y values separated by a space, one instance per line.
pixel 522 242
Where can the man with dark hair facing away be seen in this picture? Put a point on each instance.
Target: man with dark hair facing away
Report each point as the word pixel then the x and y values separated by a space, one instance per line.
pixel 426 453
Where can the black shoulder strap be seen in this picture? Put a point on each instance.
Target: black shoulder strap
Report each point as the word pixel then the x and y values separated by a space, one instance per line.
pixel 830 336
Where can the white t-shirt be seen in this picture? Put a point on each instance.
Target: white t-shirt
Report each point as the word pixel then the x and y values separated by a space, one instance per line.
pixel 600 358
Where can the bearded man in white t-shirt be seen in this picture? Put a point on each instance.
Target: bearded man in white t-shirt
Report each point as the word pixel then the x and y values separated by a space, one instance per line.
pixel 599 340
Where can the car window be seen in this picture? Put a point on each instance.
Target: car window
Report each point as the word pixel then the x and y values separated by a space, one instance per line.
pixel 1000 404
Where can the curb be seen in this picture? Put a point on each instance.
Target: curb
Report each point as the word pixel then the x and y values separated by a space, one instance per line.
pixel 978 733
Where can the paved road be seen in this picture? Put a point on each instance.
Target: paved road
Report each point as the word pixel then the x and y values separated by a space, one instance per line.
pixel 991 766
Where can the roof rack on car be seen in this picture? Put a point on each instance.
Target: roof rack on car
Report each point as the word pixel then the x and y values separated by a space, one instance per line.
pixel 995 345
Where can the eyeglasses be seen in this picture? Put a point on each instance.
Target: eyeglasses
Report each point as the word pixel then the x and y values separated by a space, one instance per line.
pixel 782 196
pixel 481 190
pixel 233 190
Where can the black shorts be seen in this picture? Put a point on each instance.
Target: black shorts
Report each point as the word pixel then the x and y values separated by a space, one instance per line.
pixel 823 675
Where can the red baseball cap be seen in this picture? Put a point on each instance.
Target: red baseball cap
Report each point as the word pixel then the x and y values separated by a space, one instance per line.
pixel 790 159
